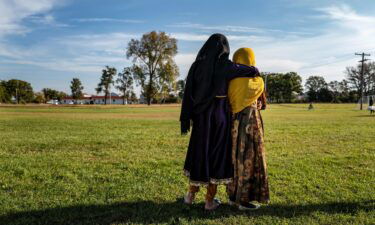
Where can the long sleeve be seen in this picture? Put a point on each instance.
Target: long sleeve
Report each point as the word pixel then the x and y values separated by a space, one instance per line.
pixel 238 70
pixel 187 102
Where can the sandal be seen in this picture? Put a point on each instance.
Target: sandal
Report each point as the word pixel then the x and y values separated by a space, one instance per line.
pixel 216 203
pixel 189 198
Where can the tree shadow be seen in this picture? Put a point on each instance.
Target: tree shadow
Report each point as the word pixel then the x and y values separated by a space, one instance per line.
pixel 169 212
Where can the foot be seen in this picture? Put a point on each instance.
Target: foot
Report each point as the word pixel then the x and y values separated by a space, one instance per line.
pixel 189 198
pixel 231 201
pixel 244 206
pixel 212 205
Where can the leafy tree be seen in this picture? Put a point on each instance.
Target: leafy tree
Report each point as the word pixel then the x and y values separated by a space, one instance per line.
pixel 61 95
pixel 324 95
pixel 51 94
pixel 313 85
pixel 334 87
pixel 274 87
pixel 166 91
pixel 106 80
pixel 125 83
pixel 39 98
pixel 291 83
pixel 283 87
pixel 133 97
pixel 339 91
pixel 3 93
pixel 20 90
pixel 76 88
pixel 154 67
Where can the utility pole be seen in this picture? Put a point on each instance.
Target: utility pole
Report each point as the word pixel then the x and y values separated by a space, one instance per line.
pixel 17 92
pixel 362 75
pixel 110 94
pixel 266 74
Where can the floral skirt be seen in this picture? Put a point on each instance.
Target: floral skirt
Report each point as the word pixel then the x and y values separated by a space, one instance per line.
pixel 250 181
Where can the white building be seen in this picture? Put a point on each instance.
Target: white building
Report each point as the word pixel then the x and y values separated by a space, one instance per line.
pixel 94 99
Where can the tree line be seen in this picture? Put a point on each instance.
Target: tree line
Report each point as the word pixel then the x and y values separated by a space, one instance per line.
pixel 153 70
pixel 281 88
pixel 287 87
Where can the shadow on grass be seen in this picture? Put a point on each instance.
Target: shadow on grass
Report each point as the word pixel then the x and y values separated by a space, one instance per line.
pixel 169 212
pixel 370 115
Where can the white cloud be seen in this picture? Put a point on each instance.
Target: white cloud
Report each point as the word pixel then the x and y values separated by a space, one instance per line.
pixel 231 28
pixel 184 61
pixel 48 20
pixel 225 28
pixel 13 12
pixel 325 53
pixel 189 36
pixel 99 42
pixel 344 13
pixel 112 20
pixel 79 53
pixel 231 37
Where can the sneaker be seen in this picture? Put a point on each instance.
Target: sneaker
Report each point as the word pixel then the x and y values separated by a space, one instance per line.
pixel 248 206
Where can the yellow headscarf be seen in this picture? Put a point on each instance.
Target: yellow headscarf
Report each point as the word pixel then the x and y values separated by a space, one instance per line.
pixel 244 91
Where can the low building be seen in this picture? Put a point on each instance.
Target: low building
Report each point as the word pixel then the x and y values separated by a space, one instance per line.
pixel 94 100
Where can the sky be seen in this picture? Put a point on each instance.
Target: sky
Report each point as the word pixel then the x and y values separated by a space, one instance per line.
pixel 49 42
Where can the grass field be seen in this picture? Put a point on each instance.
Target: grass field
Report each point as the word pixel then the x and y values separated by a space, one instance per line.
pixel 123 165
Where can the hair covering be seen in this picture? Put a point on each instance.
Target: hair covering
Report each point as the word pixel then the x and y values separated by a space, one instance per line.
pixel 207 70
pixel 244 56
pixel 210 69
pixel 243 92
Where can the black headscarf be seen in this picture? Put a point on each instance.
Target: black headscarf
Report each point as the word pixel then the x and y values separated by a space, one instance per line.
pixel 215 49
pixel 205 76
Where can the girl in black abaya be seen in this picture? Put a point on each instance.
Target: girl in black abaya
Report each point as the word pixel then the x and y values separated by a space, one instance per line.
pixel 208 160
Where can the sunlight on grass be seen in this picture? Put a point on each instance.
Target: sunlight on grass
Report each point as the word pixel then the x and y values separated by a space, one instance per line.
pixel 105 165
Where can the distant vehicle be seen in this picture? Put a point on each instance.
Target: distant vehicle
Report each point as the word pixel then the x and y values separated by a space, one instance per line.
pixel 53 102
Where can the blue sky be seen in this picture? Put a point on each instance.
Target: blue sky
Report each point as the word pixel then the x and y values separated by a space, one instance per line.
pixel 48 42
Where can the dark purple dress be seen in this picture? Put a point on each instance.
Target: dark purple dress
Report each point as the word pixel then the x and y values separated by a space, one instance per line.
pixel 209 156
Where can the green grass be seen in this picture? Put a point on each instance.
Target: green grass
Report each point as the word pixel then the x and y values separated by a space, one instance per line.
pixel 123 165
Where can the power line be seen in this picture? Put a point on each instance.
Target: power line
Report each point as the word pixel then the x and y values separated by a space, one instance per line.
pixel 338 59
pixel 362 74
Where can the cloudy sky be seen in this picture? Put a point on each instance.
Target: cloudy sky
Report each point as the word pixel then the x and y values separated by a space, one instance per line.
pixel 48 42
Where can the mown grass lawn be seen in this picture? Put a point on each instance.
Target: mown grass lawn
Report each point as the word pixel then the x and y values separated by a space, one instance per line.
pixel 123 165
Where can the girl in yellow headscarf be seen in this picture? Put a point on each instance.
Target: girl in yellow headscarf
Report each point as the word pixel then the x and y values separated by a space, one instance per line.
pixel 246 97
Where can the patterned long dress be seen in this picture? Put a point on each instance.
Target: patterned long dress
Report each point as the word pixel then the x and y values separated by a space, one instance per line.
pixel 250 181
